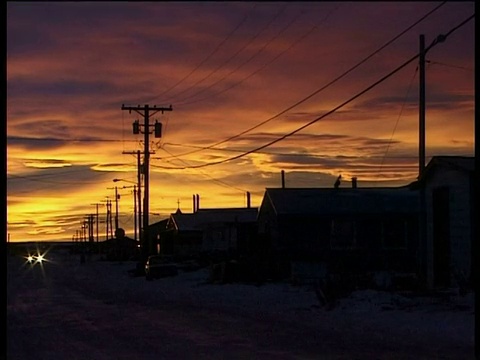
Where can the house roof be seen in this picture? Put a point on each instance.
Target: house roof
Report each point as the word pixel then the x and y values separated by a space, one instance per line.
pixel 198 219
pixel 324 201
pixel 162 224
pixel 461 163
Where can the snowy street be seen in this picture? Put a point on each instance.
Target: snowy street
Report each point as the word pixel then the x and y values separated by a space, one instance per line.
pixel 97 310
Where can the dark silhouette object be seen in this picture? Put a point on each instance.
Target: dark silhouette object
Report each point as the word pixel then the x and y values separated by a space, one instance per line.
pixel 158 266
pixel 337 182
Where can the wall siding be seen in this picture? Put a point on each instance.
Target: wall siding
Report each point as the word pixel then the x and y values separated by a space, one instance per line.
pixel 460 221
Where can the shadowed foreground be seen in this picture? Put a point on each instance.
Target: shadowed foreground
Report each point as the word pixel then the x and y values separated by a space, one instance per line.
pixel 96 310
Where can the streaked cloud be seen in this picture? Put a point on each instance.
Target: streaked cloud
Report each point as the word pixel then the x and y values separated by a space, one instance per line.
pixel 226 68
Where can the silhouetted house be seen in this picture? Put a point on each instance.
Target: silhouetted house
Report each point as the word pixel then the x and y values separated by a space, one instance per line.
pixel 210 231
pixel 448 183
pixel 339 230
pixel 120 248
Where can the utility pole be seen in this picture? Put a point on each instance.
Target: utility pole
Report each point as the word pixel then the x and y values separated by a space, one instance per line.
pixel 146 111
pixel 139 193
pixel 134 206
pixel 96 219
pixel 116 209
pixel 90 228
pixel 139 197
pixel 135 212
pixel 109 226
pixel 117 197
pixel 421 123
pixel 106 223
pixel 422 219
pixel 110 217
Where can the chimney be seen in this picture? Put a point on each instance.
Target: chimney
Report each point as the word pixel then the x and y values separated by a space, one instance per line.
pixel 194 204
pixel 354 182
pixel 248 200
pixel 198 202
pixel 283 179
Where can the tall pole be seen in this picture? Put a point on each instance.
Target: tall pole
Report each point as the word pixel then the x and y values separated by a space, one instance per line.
pixel 108 220
pixel 146 178
pixel 139 193
pixel 135 212
pixel 422 220
pixel 421 142
pixel 139 197
pixel 107 223
pixel 146 111
pixel 110 217
pixel 116 209
pixel 96 220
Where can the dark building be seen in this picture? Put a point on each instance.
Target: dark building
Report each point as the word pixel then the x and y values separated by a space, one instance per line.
pixel 209 231
pixel 340 230
pixel 448 183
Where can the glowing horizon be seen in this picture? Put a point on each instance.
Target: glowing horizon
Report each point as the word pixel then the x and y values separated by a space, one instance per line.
pixel 225 68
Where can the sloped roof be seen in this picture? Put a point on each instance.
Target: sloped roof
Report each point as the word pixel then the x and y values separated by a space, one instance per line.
pixel 325 201
pixel 462 163
pixel 196 220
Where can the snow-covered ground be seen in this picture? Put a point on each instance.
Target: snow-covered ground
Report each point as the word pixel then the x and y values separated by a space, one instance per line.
pixel 370 324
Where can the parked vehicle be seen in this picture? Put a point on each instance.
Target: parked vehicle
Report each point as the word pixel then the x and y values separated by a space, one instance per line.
pixel 158 266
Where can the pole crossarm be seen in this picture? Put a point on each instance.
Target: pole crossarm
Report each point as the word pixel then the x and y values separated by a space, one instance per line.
pixel 146 111
pixel 146 108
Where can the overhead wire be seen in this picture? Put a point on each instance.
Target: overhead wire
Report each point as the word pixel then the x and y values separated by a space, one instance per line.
pixel 258 152
pixel 222 183
pixel 316 92
pixel 23 138
pixel 254 55
pixel 448 65
pixel 439 39
pixel 265 64
pixel 172 99
pixel 398 119
pixel 246 16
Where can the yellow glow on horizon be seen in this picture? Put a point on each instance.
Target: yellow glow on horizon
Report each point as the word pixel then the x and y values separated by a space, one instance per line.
pixel 67 137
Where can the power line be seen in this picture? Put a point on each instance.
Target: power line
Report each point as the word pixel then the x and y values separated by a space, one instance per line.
pixel 447 65
pixel 398 118
pixel 327 85
pixel 439 39
pixel 266 64
pixel 171 99
pixel 56 174
pixel 245 62
pixel 222 183
pixel 32 139
pixel 272 153
pixel 208 56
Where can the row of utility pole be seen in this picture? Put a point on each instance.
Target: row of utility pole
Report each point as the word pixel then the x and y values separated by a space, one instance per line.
pixel 92 221
pixel 143 169
pixel 146 111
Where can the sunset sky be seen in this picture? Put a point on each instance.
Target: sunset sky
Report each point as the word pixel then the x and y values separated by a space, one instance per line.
pixel 239 76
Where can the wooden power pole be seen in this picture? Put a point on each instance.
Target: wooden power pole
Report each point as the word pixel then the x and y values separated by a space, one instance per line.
pixel 146 111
